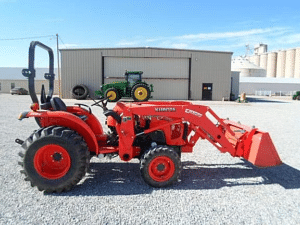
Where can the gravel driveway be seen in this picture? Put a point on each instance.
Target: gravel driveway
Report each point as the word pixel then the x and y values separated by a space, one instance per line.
pixel 214 188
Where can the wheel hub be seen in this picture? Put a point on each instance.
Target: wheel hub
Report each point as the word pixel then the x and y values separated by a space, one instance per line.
pixel 141 93
pixel 52 161
pixel 161 168
pixel 112 95
pixel 57 156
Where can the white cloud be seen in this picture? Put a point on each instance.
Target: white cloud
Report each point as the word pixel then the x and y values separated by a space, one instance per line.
pixel 290 39
pixel 223 35
pixel 232 41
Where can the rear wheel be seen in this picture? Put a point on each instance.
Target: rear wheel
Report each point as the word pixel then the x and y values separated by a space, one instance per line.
pixel 55 159
pixel 140 93
pixel 160 166
pixel 112 94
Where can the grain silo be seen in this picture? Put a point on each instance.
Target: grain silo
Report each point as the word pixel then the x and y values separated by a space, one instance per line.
pixel 255 59
pixel 280 69
pixel 263 61
pixel 246 68
pixel 297 63
pixel 290 63
pixel 260 49
pixel 272 64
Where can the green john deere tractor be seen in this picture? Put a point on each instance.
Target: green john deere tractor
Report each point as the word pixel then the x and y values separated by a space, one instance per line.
pixel 133 86
pixel 296 96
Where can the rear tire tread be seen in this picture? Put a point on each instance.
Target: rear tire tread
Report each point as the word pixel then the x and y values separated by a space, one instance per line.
pixel 67 135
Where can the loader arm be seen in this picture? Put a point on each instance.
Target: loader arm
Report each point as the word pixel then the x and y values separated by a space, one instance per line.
pixel 227 136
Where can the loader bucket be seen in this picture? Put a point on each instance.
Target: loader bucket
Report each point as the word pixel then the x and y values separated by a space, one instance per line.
pixel 262 151
pixel 253 145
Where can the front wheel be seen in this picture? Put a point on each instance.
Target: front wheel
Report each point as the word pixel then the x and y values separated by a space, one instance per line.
pixel 160 166
pixel 55 159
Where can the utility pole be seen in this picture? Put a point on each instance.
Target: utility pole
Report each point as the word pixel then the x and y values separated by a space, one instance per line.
pixel 58 71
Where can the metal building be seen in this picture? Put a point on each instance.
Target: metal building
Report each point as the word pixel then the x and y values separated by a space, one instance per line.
pixel 11 77
pixel 176 74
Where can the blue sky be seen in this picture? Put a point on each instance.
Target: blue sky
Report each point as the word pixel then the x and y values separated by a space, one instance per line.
pixel 191 24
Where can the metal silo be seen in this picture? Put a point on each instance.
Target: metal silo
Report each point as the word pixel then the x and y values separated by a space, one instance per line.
pixel 280 71
pixel 271 65
pixel 247 68
pixel 290 63
pixel 251 58
pixel 263 61
pixel 255 59
pixel 297 63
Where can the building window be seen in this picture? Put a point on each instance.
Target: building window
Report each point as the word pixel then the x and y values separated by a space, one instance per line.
pixel 12 85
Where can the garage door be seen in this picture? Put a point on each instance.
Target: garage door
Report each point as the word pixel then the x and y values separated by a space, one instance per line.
pixel 168 75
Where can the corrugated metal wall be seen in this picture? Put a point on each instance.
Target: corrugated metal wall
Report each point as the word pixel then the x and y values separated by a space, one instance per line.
pixel 211 67
pixel 180 69
pixel 80 67
pixel 152 67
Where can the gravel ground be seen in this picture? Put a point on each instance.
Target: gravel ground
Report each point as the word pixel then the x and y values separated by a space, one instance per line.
pixel 214 188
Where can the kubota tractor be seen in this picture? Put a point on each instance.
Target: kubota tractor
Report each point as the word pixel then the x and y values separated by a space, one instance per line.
pixel 133 87
pixel 57 156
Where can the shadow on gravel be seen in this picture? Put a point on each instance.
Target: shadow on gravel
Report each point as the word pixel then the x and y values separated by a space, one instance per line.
pixel 124 178
pixel 263 100
pixel 202 176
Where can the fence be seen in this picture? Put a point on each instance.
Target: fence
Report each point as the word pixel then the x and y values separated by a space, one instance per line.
pixel 274 93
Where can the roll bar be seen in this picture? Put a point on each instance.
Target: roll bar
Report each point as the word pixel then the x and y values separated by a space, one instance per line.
pixel 30 73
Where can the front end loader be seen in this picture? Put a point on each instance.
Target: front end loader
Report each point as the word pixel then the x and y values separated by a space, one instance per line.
pixel 56 156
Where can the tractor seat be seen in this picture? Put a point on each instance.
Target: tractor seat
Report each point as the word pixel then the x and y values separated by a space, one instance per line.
pixel 58 104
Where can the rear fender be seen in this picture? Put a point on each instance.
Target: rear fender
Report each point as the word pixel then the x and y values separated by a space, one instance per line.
pixel 67 119
pixel 91 120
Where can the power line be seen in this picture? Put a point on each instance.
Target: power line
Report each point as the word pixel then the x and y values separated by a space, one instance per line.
pixel 62 41
pixel 15 39
pixel 24 38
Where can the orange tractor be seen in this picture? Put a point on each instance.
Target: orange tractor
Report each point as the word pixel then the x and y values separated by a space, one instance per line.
pixel 56 157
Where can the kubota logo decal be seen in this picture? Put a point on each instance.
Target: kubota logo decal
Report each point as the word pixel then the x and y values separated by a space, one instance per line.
pixel 165 110
pixel 193 112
